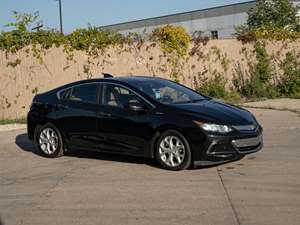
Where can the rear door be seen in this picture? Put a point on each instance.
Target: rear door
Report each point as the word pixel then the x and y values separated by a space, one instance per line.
pixel 78 114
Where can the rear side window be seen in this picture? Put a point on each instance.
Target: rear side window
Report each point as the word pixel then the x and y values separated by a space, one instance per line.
pixel 83 93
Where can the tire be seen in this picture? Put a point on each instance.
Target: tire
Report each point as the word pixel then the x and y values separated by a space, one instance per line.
pixel 49 141
pixel 172 157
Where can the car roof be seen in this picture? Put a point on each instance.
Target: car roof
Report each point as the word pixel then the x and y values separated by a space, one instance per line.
pixel 137 78
pixel 121 79
pixel 124 79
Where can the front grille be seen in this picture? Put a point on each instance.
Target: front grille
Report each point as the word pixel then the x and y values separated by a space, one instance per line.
pixel 250 127
pixel 247 144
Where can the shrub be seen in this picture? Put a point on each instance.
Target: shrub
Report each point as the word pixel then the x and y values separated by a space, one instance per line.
pixel 258 83
pixel 213 87
pixel 132 38
pixel 198 37
pixel 290 83
pixel 270 33
pixel 275 33
pixel 92 39
pixel 244 35
pixel 47 38
pixel 173 39
pixel 233 96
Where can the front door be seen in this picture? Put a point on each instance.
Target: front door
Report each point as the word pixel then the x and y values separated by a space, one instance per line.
pixel 123 130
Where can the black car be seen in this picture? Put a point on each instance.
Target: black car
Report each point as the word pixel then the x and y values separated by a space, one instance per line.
pixel 142 116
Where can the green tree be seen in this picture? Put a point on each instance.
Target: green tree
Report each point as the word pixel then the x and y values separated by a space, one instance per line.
pixel 23 21
pixel 19 36
pixel 274 13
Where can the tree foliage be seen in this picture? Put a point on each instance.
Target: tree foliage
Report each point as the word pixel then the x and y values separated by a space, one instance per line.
pixel 274 13
pixel 271 19
pixel 173 39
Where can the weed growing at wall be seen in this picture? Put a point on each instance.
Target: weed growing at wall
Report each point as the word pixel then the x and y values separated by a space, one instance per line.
pixel 214 86
pixel 258 82
pixel 290 83
pixel 172 39
pixel 175 42
pixel 14 63
pixel 91 40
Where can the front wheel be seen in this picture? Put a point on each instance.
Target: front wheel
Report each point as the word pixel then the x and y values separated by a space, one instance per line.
pixel 173 151
pixel 50 141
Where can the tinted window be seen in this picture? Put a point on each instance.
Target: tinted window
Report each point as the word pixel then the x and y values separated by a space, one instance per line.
pixel 114 95
pixel 65 94
pixel 83 93
pixel 167 92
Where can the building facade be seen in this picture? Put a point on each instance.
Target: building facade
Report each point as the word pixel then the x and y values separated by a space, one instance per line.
pixel 217 22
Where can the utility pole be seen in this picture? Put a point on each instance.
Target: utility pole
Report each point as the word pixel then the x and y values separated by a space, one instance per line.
pixel 60 16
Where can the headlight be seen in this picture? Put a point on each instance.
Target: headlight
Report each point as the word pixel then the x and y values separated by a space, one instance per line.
pixel 214 127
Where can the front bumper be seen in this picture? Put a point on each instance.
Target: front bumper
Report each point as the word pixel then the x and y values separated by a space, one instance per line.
pixel 220 149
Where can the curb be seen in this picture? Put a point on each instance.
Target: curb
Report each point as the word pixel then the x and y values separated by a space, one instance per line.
pixel 10 127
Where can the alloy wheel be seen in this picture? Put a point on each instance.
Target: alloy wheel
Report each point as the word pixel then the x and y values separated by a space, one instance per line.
pixel 48 141
pixel 172 151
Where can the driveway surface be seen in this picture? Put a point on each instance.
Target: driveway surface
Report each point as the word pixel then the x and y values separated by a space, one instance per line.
pixel 94 188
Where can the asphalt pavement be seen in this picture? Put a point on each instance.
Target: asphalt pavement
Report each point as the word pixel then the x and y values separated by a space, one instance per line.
pixel 95 188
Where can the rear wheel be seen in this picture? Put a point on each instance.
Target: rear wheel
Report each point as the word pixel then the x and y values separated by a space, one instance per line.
pixel 173 151
pixel 50 141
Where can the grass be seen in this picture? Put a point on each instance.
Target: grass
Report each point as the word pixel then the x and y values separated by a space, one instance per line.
pixel 13 121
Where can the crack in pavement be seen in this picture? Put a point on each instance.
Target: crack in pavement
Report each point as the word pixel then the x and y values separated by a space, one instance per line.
pixel 75 167
pixel 236 216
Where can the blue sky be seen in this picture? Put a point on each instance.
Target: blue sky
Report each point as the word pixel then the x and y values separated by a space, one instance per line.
pixel 79 13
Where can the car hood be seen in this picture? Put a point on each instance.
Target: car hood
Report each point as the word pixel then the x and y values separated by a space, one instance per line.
pixel 217 112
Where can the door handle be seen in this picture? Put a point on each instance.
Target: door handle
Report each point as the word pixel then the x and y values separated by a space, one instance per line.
pixel 105 114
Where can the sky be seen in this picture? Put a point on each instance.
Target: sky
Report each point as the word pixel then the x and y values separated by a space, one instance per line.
pixel 80 13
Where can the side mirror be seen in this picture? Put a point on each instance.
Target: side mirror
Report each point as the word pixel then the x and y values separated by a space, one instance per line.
pixel 136 107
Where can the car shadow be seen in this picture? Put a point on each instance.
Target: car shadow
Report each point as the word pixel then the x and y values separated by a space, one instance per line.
pixel 25 144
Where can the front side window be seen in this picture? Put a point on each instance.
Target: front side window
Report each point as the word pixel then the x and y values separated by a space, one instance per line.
pixel 82 93
pixel 167 92
pixel 114 95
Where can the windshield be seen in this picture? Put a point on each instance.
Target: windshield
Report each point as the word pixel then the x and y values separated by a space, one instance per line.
pixel 168 92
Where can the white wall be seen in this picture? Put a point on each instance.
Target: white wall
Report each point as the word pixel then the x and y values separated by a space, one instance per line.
pixel 223 24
